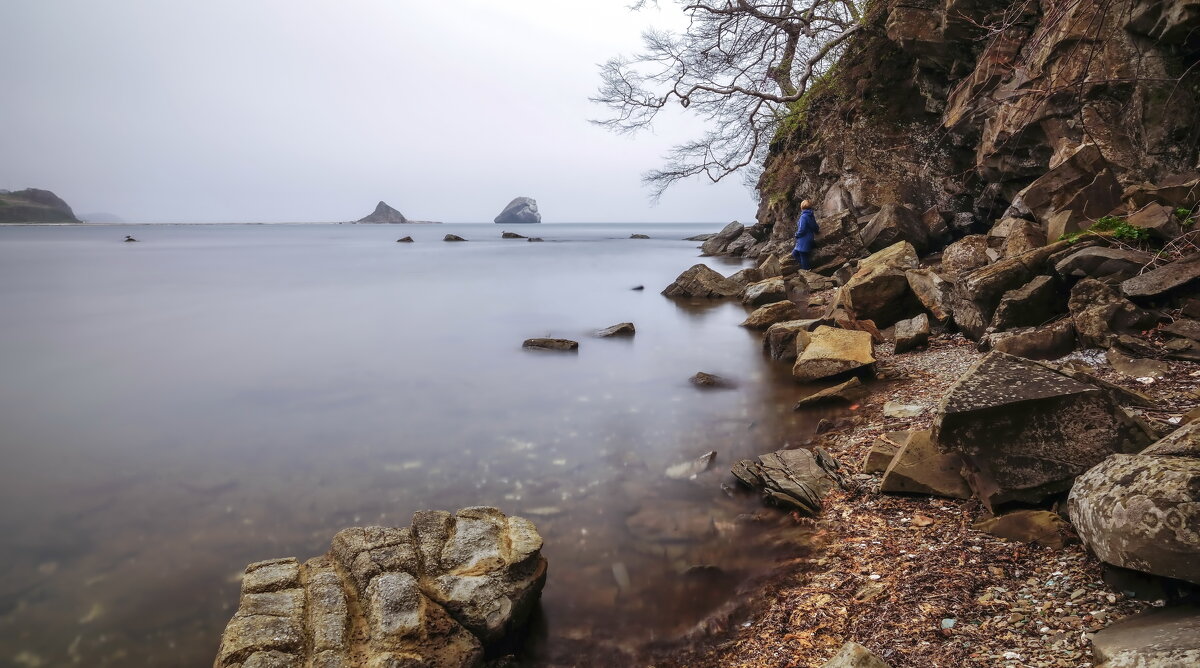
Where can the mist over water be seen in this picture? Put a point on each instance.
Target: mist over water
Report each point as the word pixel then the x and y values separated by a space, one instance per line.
pixel 222 394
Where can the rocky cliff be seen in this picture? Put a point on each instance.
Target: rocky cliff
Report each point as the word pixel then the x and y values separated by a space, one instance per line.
pixel 34 206
pixel 951 115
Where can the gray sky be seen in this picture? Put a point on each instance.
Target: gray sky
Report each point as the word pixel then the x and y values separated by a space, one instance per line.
pixel 306 110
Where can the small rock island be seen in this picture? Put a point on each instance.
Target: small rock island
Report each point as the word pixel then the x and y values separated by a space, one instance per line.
pixel 520 210
pixel 34 206
pixel 384 214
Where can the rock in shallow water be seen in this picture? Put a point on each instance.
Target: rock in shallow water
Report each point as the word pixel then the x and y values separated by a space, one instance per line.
pixel 433 594
pixel 565 345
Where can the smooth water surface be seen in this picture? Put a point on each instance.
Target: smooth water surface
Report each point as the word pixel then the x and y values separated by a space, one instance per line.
pixel 219 394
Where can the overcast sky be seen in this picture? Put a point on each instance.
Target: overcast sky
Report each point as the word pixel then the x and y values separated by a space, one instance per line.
pixel 307 110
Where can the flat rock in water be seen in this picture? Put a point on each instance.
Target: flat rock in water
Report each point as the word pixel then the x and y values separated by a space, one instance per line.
pixel 849 392
pixel 711 381
pixel 1158 638
pixel 671 522
pixel 702 281
pixel 831 351
pixel 639 236
pixel 512 235
pixel 700 237
pixel 404 240
pixel 693 468
pixel 619 329
pixel 551 344
pixel 452 237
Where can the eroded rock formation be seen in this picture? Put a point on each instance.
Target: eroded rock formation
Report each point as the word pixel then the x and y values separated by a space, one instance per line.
pixel 519 211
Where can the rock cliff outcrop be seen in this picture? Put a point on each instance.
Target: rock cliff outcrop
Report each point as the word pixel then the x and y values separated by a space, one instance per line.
pixel 34 206
pixel 384 214
pixel 520 210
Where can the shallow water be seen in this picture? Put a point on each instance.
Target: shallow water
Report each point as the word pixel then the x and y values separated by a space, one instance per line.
pixel 220 394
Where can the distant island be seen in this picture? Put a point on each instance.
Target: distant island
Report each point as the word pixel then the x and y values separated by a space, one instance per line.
pixel 520 210
pixel 101 217
pixel 387 215
pixel 34 206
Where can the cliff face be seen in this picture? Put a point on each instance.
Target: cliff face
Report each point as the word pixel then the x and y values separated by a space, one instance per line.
pixel 34 206
pixel 960 112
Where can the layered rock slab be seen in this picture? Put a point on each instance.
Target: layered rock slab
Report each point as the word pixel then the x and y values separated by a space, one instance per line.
pixel 1025 432
pixel 433 594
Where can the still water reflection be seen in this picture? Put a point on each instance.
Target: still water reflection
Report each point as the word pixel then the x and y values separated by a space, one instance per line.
pixel 216 395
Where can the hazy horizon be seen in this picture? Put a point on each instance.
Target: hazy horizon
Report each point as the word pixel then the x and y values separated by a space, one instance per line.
pixel 303 111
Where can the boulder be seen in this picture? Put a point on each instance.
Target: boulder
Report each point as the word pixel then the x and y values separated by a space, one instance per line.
pixel 770 267
pixel 551 344
pixel 784 340
pixel 1181 276
pixel 739 246
pixel 1156 219
pixel 837 243
pixel 619 329
pixel 920 468
pixel 932 291
pixel 765 292
pixel 717 244
pixel 404 240
pixel 512 235
pixel 815 282
pixel 438 593
pixel 1157 638
pixel 848 392
pixel 701 281
pixel 639 236
pixel 744 277
pixel 1081 187
pixel 452 237
pixel 1184 328
pixel 521 210
pixel 792 479
pixel 965 255
pixel 1142 511
pixel 384 214
pixel 1101 315
pixel 833 351
pixel 912 333
pixel 878 290
pixel 1037 343
pixel 711 381
pixel 893 224
pixel 1173 192
pixel 770 314
pixel 1032 304
pixel 852 654
pixel 1029 526
pixel 1025 432
pixel 976 295
pixel 1111 265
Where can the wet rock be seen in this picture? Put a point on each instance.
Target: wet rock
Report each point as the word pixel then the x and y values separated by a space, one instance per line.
pixel 619 329
pixel 1025 432
pixel 1156 219
pixel 912 333
pixel 512 235
pixel 701 281
pixel 768 315
pixel 1142 511
pixel 693 468
pixel 436 593
pixel 639 236
pixel 521 210
pixel 551 344
pixel 404 240
pixel 792 479
pixel 1101 315
pixel 879 290
pixel 1163 638
pixel 920 468
pixel 1032 304
pixel 1037 343
pixel 832 351
pixel 452 237
pixel 933 291
pixel 1180 276
pixel 765 292
pixel 711 381
pixel 535 239
pixel 895 223
pixel 784 340
pixel 1029 526
pixel 852 654
pixel 1112 265
pixel 717 244
pixel 700 237
pixel 848 392
pixel 965 255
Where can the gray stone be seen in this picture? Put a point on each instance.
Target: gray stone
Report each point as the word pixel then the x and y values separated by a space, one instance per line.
pixel 895 223
pixel 912 333
pixel 384 214
pixel 1037 343
pixel 565 345
pixel 790 478
pixel 977 294
pixel 452 237
pixel 933 291
pixel 1156 219
pixel 1025 432
pixel 1184 328
pixel 701 281
pixel 1134 367
pixel 878 290
pixel 519 211
pixel 512 235
pixel 1162 638
pixel 1101 315
pixel 711 381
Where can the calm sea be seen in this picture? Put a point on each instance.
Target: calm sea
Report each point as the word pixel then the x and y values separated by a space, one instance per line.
pixel 219 394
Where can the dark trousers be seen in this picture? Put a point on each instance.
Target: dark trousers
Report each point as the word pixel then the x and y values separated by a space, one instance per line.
pixel 801 259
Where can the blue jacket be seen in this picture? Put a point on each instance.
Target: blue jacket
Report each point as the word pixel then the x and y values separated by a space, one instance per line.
pixel 806 229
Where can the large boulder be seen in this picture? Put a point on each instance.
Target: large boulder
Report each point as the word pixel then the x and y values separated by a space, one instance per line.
pixel 1046 342
pixel 1022 238
pixel 520 210
pixel 701 281
pixel 1034 303
pixel 977 294
pixel 1179 277
pixel 436 593
pixel 1109 264
pixel 965 255
pixel 837 243
pixel 1025 432
pixel 1142 511
pixel 1081 187
pixel 716 244
pixel 831 351
pixel 879 290
pixel 893 224
pixel 1101 315
pixel 1157 638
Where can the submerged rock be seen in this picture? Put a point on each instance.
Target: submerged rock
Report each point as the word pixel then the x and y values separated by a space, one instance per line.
pixel 693 468
pixel 436 593
pixel 711 381
pixel 404 240
pixel 790 478
pixel 519 211
pixel 453 237
pixel 512 235
pixel 551 344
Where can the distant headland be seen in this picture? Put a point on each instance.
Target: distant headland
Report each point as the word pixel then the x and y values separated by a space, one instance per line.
pixel 34 206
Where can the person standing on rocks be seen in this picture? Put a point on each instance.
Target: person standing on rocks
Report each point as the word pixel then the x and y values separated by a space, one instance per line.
pixel 806 231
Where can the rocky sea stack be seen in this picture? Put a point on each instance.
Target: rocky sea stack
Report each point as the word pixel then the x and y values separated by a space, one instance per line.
pixel 34 206
pixel 520 210
pixel 386 214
